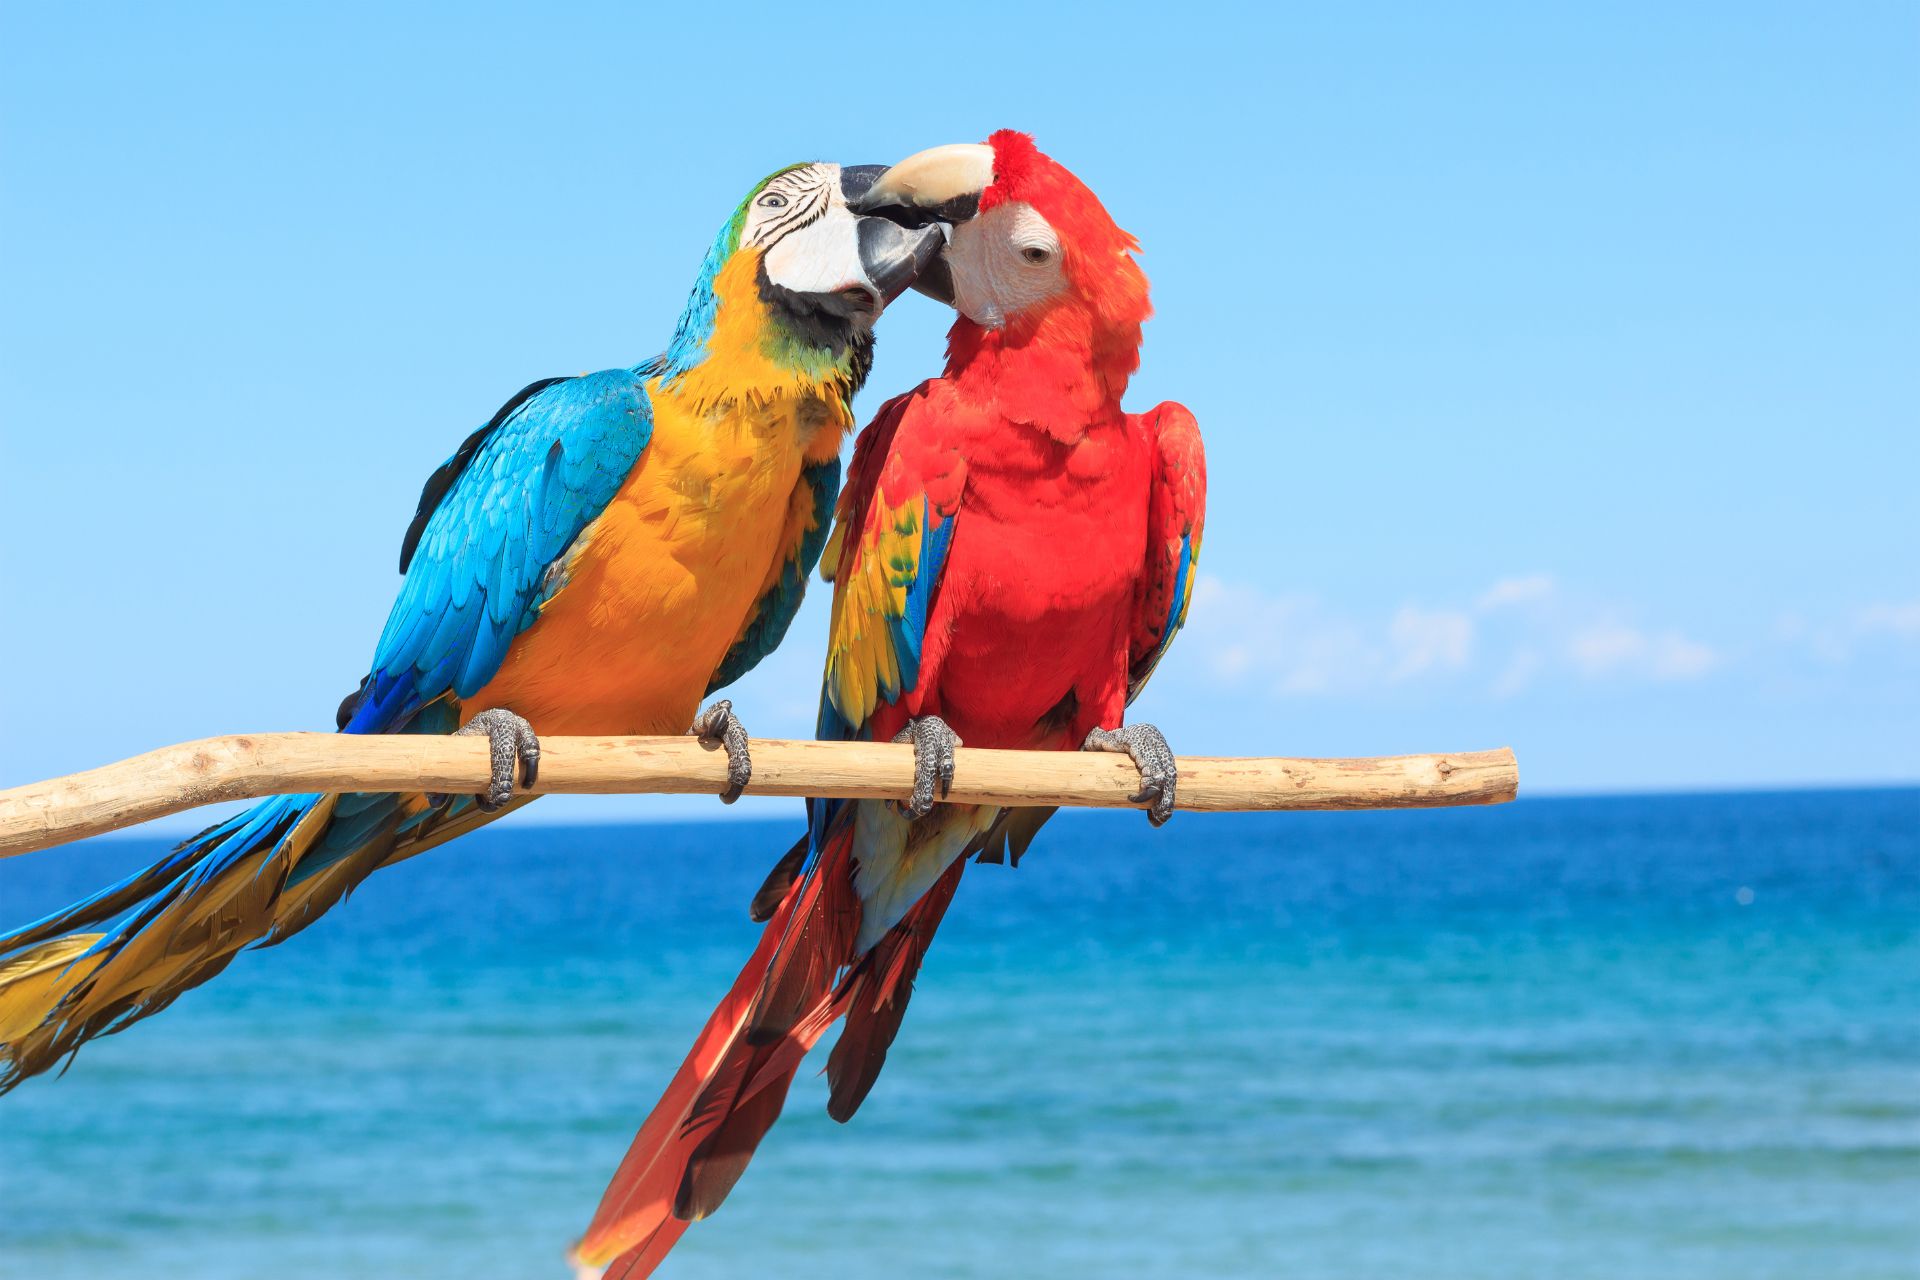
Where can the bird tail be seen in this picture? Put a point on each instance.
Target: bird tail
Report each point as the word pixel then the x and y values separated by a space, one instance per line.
pixel 875 995
pixel 801 978
pixel 257 878
pixel 700 1135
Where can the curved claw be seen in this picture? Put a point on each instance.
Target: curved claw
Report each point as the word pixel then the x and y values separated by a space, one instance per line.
pixel 933 745
pixel 717 726
pixel 510 742
pixel 1147 747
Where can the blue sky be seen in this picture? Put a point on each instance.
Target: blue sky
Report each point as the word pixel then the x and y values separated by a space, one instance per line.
pixel 1557 367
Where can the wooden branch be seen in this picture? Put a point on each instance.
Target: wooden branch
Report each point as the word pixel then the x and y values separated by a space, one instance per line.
pixel 242 767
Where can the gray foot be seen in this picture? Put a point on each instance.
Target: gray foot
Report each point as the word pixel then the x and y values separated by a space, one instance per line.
pixel 1147 748
pixel 933 744
pixel 511 742
pixel 717 726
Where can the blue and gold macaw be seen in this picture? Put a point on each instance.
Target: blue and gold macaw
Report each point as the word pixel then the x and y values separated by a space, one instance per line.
pixel 607 551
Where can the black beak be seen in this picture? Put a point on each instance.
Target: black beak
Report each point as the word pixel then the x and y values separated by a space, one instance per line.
pixel 858 179
pixel 936 282
pixel 916 214
pixel 940 187
pixel 893 257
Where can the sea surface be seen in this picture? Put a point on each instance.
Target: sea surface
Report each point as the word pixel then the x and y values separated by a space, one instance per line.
pixel 1671 1036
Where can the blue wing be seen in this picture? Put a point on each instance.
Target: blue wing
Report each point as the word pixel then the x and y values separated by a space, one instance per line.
pixel 773 612
pixel 489 544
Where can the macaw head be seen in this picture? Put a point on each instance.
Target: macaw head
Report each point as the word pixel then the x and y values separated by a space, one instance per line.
pixel 1033 255
pixel 796 278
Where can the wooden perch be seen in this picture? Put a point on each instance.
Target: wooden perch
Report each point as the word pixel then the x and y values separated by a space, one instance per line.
pixel 243 767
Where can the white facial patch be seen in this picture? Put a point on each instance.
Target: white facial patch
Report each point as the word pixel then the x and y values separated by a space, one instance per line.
pixel 811 239
pixel 1004 261
pixel 819 257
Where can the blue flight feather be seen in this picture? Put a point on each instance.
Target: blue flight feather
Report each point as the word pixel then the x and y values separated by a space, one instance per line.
pixel 1172 624
pixel 908 634
pixel 484 564
pixel 773 613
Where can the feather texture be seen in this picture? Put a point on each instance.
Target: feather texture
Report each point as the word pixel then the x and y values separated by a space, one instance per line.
pixel 1013 553
pixel 596 557
pixel 809 519
pixel 481 565
pixel 877 995
pixel 1175 517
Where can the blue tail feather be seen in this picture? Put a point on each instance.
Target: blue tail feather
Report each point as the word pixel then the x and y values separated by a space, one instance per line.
pixel 228 888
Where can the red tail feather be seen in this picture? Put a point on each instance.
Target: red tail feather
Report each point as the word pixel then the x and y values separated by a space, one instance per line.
pixel 638 1262
pixel 722 1158
pixel 818 944
pixel 728 1092
pixel 876 995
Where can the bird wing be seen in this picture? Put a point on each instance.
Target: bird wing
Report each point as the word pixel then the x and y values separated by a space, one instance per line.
pixel 894 530
pixel 809 516
pixel 490 541
pixel 1176 513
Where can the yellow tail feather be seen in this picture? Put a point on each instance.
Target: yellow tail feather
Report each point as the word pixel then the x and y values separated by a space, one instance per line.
pixel 33 982
pixel 51 1001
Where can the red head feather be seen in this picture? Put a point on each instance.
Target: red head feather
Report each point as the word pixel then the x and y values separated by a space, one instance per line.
pixel 1097 256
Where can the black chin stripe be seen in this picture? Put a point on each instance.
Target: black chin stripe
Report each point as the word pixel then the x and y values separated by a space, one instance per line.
pixel 830 321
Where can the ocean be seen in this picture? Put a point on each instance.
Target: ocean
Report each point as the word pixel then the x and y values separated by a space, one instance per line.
pixel 1668 1036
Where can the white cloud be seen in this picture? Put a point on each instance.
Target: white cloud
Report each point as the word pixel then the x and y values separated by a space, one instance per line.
pixel 1298 646
pixel 1521 590
pixel 1675 657
pixel 1901 620
pixel 1429 639
pixel 1520 671
pixel 1605 647
pixel 1840 641
pixel 1613 648
pixel 1290 645
pixel 1525 635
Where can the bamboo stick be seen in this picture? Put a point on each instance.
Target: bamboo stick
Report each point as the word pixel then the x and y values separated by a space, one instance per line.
pixel 247 766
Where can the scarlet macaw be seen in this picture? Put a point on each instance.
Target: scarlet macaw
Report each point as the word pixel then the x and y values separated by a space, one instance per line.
pixel 1013 554
pixel 605 552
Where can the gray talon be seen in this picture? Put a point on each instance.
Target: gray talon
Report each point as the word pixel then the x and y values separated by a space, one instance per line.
pixel 933 744
pixel 1146 746
pixel 717 726
pixel 511 742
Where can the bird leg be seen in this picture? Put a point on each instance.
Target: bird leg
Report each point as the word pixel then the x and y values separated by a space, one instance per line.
pixel 933 744
pixel 1147 748
pixel 717 726
pixel 510 741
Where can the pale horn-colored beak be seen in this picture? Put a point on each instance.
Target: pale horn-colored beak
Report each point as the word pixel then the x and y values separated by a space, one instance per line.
pixel 941 182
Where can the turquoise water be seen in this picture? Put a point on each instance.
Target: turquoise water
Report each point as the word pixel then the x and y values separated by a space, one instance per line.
pixel 1646 1037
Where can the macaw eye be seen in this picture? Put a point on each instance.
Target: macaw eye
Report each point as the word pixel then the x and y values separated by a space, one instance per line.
pixel 1037 255
pixel 773 200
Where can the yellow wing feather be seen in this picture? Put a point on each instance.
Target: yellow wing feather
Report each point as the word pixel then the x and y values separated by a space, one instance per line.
pixel 862 663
